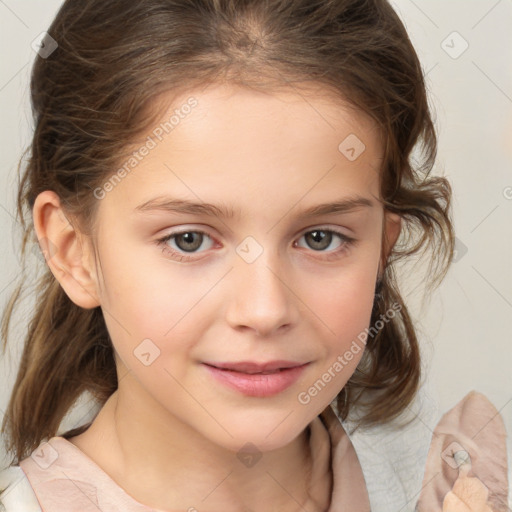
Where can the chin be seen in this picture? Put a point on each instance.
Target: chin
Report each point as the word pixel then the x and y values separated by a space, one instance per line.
pixel 266 437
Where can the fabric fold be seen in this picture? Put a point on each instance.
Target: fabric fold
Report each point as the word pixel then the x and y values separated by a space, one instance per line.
pixel 467 460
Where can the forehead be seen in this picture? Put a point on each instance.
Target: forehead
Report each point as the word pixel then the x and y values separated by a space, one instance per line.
pixel 247 144
pixel 297 112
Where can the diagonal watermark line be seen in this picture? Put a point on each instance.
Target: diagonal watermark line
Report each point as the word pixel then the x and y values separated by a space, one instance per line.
pixel 299 94
pixel 78 487
pixel 492 81
pixel 333 333
pixel 199 403
pixel 73 277
pixel 301 198
pixel 433 67
pixel 186 313
pixel 9 213
pixel 424 14
pixel 417 415
pixel 219 218
pixel 9 283
pixel 485 15
pixel 286 491
pixel 105 310
pixel 462 290
pixel 495 289
pixel 13 77
pixel 492 211
pixel 194 305
pixel 419 492
pixel 279 423
pixel 96 404
pixel 217 485
pixel 3 3
pixel 497 414
pixel 5 491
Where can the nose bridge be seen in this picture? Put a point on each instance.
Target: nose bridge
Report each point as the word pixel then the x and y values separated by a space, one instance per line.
pixel 261 299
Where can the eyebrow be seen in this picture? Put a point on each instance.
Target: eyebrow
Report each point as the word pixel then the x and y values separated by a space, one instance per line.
pixel 184 206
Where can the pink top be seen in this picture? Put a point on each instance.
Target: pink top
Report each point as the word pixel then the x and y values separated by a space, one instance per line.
pixel 64 478
pixel 466 470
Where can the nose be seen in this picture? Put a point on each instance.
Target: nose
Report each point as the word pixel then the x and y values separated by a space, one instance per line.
pixel 262 298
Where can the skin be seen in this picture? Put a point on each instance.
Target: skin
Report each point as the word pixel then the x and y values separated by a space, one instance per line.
pixel 268 156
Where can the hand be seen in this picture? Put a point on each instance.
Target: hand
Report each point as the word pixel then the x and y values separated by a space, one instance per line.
pixel 468 494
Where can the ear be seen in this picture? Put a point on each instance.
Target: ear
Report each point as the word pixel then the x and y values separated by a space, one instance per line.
pixel 392 225
pixel 67 251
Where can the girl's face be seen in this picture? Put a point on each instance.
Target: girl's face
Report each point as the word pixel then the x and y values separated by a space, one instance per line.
pixel 259 276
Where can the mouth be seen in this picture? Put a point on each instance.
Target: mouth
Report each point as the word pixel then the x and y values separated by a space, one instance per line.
pixel 252 368
pixel 256 380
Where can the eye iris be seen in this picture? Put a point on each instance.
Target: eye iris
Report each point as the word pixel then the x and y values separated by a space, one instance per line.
pixel 189 239
pixel 317 237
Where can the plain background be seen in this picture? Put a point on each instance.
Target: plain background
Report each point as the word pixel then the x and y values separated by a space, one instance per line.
pixel 465 329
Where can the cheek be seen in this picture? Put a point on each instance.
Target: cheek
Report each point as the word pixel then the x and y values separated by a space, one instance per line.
pixel 344 301
pixel 154 315
pixel 342 307
pixel 348 317
pixel 344 310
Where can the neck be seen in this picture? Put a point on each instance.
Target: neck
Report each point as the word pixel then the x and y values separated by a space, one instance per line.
pixel 176 468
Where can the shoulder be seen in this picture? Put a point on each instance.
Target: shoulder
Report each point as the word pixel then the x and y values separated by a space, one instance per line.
pixel 16 494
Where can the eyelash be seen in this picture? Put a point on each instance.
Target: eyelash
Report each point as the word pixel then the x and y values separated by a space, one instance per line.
pixel 346 243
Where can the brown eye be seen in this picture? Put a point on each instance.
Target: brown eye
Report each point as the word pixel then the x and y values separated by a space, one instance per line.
pixel 319 239
pixel 189 241
pixel 185 243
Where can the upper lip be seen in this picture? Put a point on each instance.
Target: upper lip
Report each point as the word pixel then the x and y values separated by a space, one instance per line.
pixel 252 367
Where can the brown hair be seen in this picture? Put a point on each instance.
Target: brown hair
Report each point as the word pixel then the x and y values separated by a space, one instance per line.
pixel 95 93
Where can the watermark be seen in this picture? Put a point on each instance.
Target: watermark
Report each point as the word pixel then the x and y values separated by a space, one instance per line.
pixel 455 455
pixel 157 135
pixel 44 45
pixel 459 250
pixel 249 249
pixel 351 147
pixel 44 455
pixel 507 192
pixel 304 397
pixel 249 455
pixel 146 352
pixel 454 45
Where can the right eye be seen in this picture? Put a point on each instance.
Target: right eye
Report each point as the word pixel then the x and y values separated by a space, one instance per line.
pixel 186 242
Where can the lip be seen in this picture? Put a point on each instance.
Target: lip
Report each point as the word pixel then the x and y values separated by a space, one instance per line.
pixel 258 384
pixel 253 367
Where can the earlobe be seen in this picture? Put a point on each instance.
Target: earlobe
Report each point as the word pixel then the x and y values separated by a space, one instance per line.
pixel 66 250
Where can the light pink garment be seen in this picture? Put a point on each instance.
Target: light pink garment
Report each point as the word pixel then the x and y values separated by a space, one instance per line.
pixel 65 479
pixel 476 427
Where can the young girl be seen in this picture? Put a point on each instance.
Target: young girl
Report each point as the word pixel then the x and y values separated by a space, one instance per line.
pixel 221 190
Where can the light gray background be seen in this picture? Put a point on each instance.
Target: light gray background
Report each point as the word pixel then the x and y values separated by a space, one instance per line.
pixel 465 329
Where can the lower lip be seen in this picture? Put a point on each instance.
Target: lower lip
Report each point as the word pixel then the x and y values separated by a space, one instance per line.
pixel 257 384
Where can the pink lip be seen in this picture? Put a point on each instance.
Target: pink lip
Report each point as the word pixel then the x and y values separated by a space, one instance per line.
pixel 257 384
pixel 253 367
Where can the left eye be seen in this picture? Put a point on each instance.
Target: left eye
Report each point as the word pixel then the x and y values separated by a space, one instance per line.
pixel 322 238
